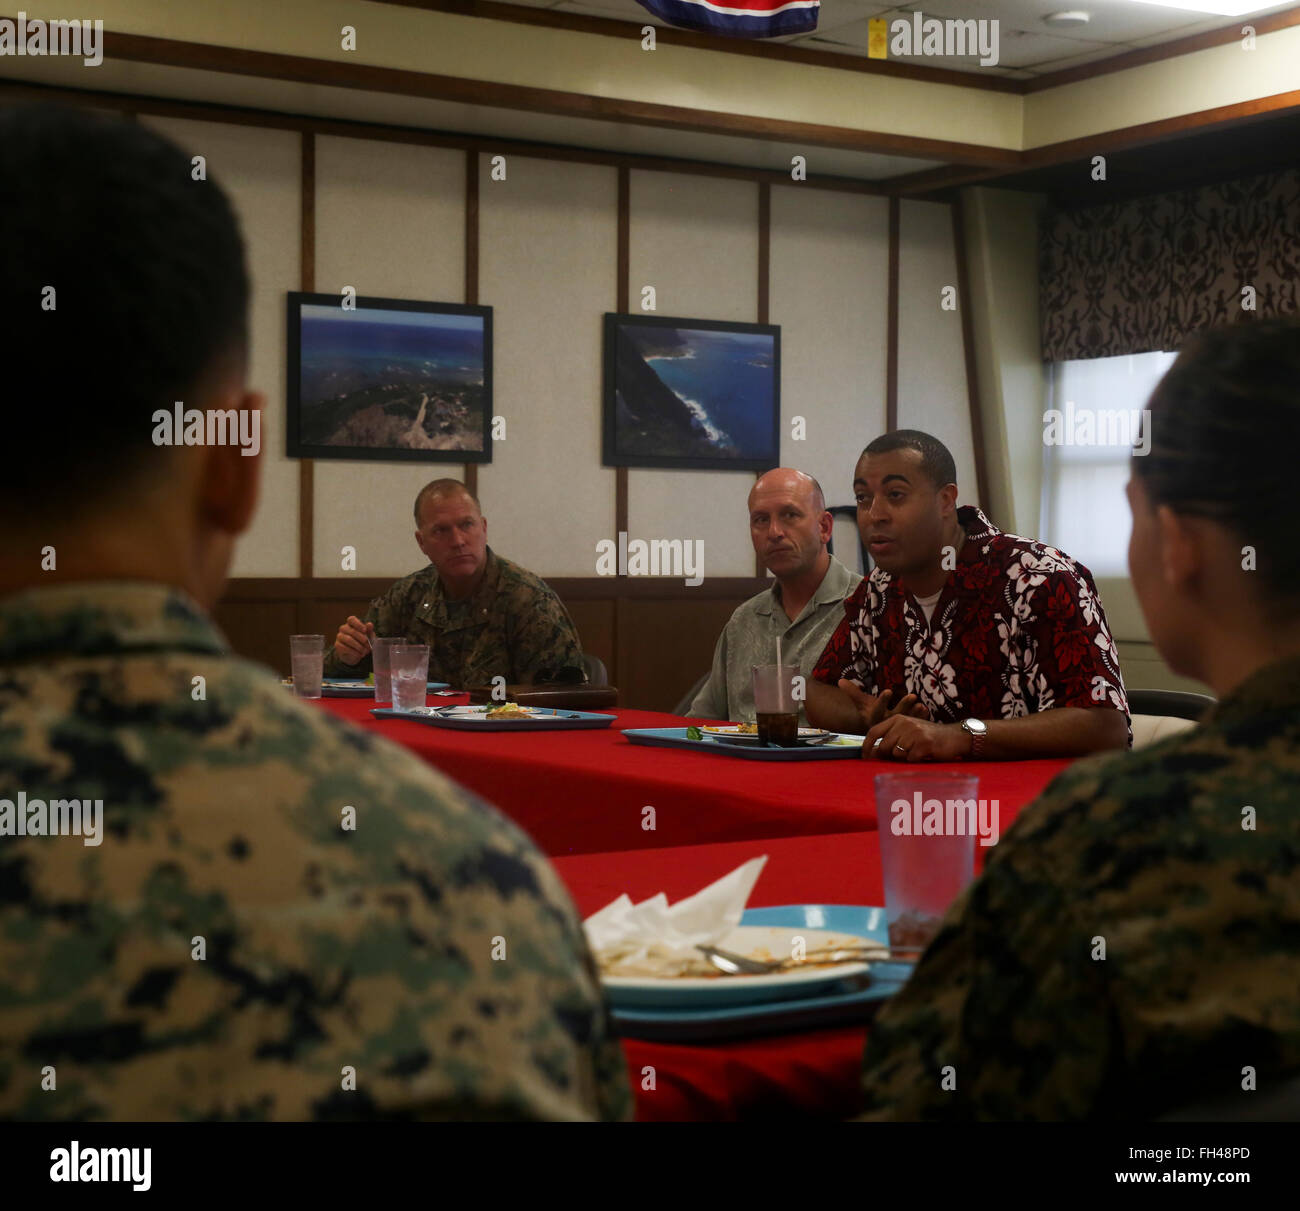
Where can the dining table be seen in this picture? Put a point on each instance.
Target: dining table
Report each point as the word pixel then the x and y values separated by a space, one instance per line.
pixel 587 791
pixel 581 795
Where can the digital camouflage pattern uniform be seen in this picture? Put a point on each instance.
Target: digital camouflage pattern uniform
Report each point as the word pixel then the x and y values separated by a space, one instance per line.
pixel 325 947
pixel 1201 923
pixel 514 626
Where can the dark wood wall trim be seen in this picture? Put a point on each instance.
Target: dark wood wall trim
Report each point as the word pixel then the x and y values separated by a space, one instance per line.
pixel 249 589
pixel 855 63
pixel 1224 116
pixel 670 36
pixel 973 401
pixel 332 73
pixel 891 322
pixel 1166 50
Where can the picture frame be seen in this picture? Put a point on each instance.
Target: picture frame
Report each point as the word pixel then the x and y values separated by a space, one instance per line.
pixel 689 393
pixel 388 380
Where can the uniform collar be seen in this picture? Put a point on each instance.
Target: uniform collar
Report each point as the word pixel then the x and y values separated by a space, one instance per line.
pixel 439 608
pixel 1275 688
pixel 103 617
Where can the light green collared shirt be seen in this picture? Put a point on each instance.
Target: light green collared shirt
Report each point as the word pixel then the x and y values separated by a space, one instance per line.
pixel 749 638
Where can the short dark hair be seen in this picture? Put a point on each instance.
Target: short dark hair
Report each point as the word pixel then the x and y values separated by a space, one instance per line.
pixel 1225 441
pixel 122 283
pixel 443 487
pixel 936 459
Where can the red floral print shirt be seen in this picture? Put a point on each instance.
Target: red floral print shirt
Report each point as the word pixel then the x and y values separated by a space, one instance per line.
pixel 1017 629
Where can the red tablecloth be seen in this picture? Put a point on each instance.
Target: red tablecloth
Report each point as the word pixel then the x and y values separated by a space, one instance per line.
pixel 810 1074
pixel 585 791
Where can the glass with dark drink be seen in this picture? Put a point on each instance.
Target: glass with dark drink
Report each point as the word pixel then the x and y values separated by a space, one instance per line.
pixel 775 708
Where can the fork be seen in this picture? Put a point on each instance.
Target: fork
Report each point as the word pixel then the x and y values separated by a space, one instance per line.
pixel 733 964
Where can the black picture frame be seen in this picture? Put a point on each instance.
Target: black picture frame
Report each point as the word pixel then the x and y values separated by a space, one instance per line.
pixel 461 421
pixel 649 423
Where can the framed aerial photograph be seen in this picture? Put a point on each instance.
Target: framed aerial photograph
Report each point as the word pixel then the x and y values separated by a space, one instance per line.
pixel 391 380
pixel 691 393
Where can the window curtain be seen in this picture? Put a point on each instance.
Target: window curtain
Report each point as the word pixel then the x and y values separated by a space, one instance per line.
pixel 1142 275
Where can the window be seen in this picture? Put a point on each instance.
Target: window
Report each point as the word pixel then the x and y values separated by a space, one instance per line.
pixel 1095 419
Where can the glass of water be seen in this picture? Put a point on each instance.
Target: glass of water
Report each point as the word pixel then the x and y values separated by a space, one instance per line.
pixel 307 663
pixel 380 651
pixel 409 663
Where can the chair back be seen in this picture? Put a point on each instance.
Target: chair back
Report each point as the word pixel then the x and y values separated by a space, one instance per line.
pixel 595 669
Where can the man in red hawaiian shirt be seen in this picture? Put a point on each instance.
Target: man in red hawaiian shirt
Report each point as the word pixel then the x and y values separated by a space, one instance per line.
pixel 964 642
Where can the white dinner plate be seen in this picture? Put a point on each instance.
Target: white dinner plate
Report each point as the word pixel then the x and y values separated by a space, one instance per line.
pixel 755 941
pixel 733 735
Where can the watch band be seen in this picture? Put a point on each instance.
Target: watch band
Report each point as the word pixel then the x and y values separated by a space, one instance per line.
pixel 978 736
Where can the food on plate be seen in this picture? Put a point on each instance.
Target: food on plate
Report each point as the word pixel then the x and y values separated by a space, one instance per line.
pixel 509 710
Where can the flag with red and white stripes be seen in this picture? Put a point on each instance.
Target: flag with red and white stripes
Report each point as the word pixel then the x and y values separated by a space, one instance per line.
pixel 739 18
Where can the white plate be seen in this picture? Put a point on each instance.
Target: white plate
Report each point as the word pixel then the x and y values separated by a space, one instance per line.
pixel 757 941
pixel 736 736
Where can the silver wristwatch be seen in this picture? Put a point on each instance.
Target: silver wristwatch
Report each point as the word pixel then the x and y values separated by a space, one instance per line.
pixel 978 734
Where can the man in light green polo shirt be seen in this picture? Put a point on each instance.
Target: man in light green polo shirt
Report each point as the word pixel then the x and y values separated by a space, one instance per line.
pixel 790 527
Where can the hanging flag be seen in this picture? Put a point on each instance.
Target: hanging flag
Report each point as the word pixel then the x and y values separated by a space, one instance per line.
pixel 739 18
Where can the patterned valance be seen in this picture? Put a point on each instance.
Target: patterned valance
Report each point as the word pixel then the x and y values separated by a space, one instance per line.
pixel 1131 277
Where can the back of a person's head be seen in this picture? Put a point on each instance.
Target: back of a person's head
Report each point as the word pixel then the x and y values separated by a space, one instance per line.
pixel 122 287
pixel 1225 444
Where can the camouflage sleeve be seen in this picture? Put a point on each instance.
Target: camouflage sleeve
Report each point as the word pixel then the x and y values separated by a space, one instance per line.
pixel 543 640
pixel 1007 1015
pixel 327 929
pixel 389 612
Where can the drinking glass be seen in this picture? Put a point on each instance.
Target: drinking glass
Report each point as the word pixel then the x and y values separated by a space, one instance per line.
pixel 775 709
pixel 307 664
pixel 927 825
pixel 380 651
pixel 409 674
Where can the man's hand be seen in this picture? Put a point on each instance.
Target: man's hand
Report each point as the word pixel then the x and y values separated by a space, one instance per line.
pixel 353 640
pixel 902 738
pixel 872 711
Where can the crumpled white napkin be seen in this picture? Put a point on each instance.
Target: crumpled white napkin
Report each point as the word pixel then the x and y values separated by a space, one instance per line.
pixel 703 919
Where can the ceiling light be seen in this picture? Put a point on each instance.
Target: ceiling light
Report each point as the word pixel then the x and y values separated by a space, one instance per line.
pixel 1074 17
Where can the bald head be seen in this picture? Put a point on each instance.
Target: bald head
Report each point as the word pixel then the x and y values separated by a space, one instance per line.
pixel 789 525
pixel 787 479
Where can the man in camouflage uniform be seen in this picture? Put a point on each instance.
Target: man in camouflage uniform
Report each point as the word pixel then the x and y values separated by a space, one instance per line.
pixel 281 916
pixel 481 615
pixel 1133 945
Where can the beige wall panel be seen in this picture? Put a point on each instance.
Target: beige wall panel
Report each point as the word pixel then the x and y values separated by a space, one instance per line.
pixel 261 171
pixel 390 221
pixel 931 362
pixel 830 294
pixel 695 239
pixel 1002 244
pixel 548 241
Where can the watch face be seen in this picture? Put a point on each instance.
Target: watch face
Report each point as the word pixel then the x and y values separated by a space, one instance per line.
pixel 974 726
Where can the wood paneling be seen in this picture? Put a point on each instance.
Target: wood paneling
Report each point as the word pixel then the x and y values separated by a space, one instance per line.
pixel 332 73
pixel 260 630
pixel 665 645
pixel 655 636
pixel 667 35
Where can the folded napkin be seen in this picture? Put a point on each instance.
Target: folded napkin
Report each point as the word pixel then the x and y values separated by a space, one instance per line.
pixel 651 938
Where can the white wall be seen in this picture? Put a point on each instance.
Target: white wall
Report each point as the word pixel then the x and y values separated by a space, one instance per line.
pixel 931 362
pixel 548 265
pixel 829 292
pixel 695 240
pixel 261 172
pixel 390 222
